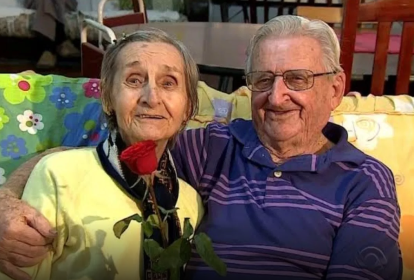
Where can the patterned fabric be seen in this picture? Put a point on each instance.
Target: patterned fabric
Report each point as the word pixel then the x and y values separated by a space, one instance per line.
pixel 39 112
pixel 166 192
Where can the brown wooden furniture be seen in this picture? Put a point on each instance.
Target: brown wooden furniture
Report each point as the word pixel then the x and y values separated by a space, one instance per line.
pixel 205 42
pixel 330 15
pixel 280 5
pixel 92 55
pixel 385 13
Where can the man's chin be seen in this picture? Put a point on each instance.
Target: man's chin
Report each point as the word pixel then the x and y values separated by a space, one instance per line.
pixel 282 132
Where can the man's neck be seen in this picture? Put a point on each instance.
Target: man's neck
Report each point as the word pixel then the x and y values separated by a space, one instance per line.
pixel 283 151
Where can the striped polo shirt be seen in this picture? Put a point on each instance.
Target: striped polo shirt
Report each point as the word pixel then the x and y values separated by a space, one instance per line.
pixel 328 216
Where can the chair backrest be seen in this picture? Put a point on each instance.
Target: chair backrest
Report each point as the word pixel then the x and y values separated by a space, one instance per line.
pixel 92 55
pixel 138 17
pixel 385 13
pixel 330 15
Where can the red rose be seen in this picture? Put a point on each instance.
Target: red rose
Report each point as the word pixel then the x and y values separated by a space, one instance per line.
pixel 141 157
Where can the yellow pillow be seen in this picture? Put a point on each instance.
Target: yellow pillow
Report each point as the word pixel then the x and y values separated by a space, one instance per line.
pixel 383 127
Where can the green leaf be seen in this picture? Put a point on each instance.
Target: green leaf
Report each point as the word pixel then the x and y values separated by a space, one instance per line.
pixel 174 256
pixel 152 248
pixel 174 274
pixel 153 220
pixel 205 249
pixel 166 212
pixel 121 226
pixel 188 228
pixel 147 227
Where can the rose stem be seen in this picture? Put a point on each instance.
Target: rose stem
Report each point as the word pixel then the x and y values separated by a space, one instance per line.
pixel 157 212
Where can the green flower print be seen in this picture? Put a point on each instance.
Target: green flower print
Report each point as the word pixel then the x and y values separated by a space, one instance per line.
pixel 18 87
pixel 3 118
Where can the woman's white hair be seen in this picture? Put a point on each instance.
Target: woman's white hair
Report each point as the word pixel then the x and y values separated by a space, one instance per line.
pixel 289 26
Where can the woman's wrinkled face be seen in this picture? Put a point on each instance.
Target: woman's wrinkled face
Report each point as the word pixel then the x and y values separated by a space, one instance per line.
pixel 149 95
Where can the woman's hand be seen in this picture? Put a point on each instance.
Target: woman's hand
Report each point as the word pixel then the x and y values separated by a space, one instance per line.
pixel 25 237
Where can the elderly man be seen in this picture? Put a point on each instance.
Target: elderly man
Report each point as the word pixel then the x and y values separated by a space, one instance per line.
pixel 287 196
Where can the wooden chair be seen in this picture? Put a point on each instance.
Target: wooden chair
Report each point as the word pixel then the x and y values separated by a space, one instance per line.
pixel 92 55
pixel 384 13
pixel 330 15
pixel 139 16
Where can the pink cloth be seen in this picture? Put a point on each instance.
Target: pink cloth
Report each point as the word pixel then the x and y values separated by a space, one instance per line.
pixel 365 43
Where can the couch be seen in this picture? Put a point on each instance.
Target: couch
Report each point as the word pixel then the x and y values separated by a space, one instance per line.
pixel 39 112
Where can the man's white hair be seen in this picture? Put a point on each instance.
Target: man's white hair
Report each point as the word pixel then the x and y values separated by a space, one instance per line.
pixel 292 26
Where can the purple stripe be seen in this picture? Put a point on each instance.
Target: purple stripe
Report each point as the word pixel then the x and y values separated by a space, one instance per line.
pixel 226 180
pixel 232 188
pixel 254 150
pixel 254 200
pixel 370 218
pixel 259 272
pixel 255 263
pixel 305 194
pixel 266 256
pixel 189 157
pixel 368 205
pixel 274 249
pixel 376 183
pixel 219 135
pixel 265 205
pixel 386 184
pixel 313 166
pixel 247 184
pixel 376 227
pixel 196 149
pixel 382 170
pixel 216 126
pixel 345 276
pixel 348 267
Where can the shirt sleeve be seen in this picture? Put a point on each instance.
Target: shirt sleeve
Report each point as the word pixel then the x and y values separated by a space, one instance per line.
pixel 190 155
pixel 42 193
pixel 366 244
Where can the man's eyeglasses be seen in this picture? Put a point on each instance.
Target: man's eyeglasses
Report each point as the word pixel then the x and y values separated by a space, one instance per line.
pixel 296 80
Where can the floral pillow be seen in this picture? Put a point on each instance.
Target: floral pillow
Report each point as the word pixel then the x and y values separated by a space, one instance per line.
pixel 39 112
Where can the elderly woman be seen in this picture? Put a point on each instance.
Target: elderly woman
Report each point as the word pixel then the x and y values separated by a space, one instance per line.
pixel 288 197
pixel 146 95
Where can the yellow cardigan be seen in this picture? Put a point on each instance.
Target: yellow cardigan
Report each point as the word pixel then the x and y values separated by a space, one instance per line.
pixel 77 196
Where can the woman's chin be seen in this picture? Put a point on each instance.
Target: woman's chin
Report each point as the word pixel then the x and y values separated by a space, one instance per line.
pixel 144 135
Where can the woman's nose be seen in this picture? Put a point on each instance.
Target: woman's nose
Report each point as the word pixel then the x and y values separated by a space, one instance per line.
pixel 151 95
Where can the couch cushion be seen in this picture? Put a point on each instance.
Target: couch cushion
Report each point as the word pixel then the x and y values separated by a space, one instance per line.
pixel 39 112
pixel 383 127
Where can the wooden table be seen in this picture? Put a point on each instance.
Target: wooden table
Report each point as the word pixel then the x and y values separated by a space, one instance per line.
pixel 220 48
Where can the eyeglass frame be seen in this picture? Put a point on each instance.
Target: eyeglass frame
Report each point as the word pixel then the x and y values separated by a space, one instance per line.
pixel 313 75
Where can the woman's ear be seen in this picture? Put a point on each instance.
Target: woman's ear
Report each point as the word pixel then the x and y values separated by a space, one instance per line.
pixel 105 99
pixel 188 113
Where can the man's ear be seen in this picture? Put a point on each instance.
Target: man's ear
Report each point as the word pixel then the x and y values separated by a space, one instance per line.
pixel 338 90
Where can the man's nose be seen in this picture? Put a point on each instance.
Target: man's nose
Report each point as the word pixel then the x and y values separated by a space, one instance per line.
pixel 279 92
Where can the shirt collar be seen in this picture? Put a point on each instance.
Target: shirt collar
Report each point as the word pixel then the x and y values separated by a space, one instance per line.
pixel 244 132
